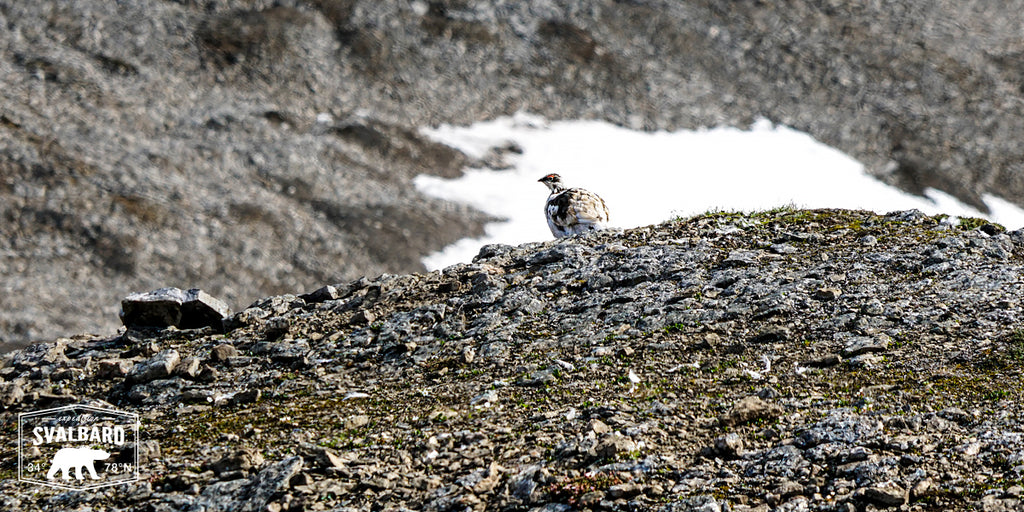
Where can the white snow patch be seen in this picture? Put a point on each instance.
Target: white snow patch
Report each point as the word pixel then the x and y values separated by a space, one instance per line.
pixel 646 178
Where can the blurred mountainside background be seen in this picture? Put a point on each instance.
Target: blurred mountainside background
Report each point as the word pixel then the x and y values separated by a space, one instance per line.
pixel 253 148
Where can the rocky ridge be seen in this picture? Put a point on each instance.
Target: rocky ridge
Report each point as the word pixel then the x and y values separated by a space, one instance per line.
pixel 778 361
pixel 257 147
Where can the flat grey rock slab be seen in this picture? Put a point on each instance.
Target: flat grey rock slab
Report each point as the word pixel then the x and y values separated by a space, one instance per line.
pixel 167 307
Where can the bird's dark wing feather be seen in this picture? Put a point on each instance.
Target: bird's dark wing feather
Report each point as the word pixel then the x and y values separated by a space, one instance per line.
pixel 558 208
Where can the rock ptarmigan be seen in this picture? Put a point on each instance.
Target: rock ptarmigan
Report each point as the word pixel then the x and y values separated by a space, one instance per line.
pixel 571 211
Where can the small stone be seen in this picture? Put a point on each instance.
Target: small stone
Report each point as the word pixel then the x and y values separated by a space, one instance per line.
pixel 538 379
pixel 613 445
pixel 33 453
pixel 242 459
pixel 701 503
pixel 783 248
pixel 921 488
pixel 772 334
pixel 827 293
pixel 486 398
pixel 159 366
pixel 363 317
pixel 872 307
pixel 491 480
pixel 730 445
pixel 188 368
pixel 858 345
pixel 823 361
pixel 741 258
pixel 591 499
pixel 275 328
pixel 377 484
pixel 749 409
pixel 301 479
pixel 957 415
pixel 523 485
pixel 142 350
pixel 492 250
pixel 149 450
pixel 113 369
pixel 322 294
pixel 182 480
pixel 788 489
pixel 711 341
pixel 442 414
pixel 11 393
pixel 864 361
pixel 246 397
pixel 599 427
pixel 201 309
pixel 991 229
pixel 886 494
pixel 326 458
pixel 223 352
pixel 359 420
pixel 239 361
pixel 208 374
pixel 626 490
pixel 246 317
pixel 67 374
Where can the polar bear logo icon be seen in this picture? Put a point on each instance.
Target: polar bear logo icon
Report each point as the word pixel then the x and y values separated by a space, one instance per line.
pixel 77 458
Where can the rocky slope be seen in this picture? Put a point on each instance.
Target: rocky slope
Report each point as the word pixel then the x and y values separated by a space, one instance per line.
pixel 785 360
pixel 255 147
